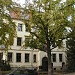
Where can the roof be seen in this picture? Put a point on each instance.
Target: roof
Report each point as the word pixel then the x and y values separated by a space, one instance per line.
pixel 19 15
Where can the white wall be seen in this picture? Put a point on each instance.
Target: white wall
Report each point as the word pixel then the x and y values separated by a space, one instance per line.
pixel 40 54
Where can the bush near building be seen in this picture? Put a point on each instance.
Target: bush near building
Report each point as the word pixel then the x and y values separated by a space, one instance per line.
pixel 4 66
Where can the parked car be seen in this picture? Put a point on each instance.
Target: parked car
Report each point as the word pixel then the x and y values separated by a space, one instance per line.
pixel 24 72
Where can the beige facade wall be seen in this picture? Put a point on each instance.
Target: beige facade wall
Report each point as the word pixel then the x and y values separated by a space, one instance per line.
pixel 39 54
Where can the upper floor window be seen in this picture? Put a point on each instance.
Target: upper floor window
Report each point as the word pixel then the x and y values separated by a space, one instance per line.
pixel 60 57
pixel 27 38
pixel 26 57
pixel 18 57
pixel 10 57
pixel 27 41
pixel 19 40
pixel 54 57
pixel 34 58
pixel 20 26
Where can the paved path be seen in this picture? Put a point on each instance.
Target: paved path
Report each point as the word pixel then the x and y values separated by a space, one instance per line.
pixel 65 74
pixel 57 73
pixel 69 74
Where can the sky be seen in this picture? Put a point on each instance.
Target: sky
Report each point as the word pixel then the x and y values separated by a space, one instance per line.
pixel 21 1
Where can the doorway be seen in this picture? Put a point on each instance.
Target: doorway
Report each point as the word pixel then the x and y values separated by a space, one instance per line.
pixel 45 64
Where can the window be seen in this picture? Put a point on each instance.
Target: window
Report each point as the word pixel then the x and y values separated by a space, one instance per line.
pixel 10 57
pixel 60 57
pixel 1 55
pixel 19 40
pixel 34 58
pixel 27 28
pixel 26 57
pixel 19 27
pixel 54 57
pixel 18 57
pixel 27 40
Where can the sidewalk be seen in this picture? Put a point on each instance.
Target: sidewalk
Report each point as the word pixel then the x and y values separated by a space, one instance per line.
pixel 69 74
pixel 56 73
pixel 65 74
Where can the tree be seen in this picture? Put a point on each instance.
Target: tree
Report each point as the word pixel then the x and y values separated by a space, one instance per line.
pixel 48 22
pixel 71 52
pixel 7 26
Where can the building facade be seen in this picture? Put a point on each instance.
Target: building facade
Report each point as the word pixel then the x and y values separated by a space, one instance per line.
pixel 19 56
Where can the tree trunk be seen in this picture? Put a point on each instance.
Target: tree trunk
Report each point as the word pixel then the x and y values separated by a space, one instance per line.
pixel 49 62
pixel 48 52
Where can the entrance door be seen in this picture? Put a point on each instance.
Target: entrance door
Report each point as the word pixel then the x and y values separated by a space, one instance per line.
pixel 45 64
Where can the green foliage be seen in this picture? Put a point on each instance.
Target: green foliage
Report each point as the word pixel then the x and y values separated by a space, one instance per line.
pixel 49 19
pixel 7 26
pixel 49 22
pixel 71 52
pixel 4 66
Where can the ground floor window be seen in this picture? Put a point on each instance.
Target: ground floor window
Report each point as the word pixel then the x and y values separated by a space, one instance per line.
pixel 18 57
pixel 34 58
pixel 60 57
pixel 10 56
pixel 26 57
pixel 54 57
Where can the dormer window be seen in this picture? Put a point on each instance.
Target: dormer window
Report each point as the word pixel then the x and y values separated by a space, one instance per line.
pixel 20 27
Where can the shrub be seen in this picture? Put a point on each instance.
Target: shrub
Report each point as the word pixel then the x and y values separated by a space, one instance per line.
pixel 4 66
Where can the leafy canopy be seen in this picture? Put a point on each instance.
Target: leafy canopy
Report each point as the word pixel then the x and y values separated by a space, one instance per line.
pixel 49 22
pixel 71 51
pixel 7 26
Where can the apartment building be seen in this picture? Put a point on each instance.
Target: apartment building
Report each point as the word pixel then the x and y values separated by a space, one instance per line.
pixel 19 56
